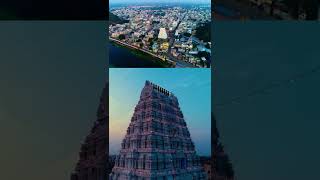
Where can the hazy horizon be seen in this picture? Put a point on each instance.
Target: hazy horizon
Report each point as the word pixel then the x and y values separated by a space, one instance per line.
pixel 160 2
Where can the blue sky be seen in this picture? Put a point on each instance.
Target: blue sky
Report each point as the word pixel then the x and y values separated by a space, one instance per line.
pixel 191 86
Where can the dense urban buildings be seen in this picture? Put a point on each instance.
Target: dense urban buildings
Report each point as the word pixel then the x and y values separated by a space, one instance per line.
pixel 266 9
pixel 92 164
pixel 157 144
pixel 177 34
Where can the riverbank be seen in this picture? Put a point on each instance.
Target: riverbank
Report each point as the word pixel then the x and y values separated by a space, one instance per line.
pixel 124 56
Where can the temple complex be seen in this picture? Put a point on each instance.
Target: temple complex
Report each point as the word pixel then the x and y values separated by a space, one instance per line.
pixel 157 144
pixel 222 167
pixel 93 154
pixel 162 33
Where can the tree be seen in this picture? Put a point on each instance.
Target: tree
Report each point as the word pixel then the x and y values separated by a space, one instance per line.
pixel 187 34
pixel 311 9
pixel 293 5
pixel 122 36
pixel 201 63
pixel 271 7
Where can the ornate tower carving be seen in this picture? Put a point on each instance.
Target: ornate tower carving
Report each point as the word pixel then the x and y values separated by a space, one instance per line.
pixel 222 167
pixel 93 154
pixel 157 144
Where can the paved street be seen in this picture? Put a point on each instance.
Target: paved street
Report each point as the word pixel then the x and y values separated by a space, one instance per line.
pixel 179 63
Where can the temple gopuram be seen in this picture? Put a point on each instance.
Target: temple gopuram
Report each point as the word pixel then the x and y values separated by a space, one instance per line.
pixel 222 167
pixel 157 144
pixel 93 154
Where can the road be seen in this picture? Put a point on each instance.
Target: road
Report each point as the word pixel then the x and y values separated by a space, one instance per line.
pixel 179 63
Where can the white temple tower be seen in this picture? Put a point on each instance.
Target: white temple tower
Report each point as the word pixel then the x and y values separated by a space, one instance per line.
pixel 162 33
pixel 157 144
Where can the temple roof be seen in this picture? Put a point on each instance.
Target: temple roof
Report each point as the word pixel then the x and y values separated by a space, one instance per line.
pixel 159 88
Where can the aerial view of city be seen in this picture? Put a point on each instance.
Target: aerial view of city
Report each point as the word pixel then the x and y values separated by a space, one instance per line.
pixel 160 34
pixel 266 9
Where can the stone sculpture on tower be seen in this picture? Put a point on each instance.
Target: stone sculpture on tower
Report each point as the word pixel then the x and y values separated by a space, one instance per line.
pixel 157 144
pixel 93 153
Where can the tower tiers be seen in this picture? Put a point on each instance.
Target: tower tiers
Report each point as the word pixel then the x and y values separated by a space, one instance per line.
pixel 93 153
pixel 157 144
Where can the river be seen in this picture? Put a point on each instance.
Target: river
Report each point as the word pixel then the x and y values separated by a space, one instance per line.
pixel 124 57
